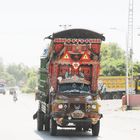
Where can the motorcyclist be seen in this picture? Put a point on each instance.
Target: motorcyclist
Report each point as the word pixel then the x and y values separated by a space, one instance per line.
pixel 14 95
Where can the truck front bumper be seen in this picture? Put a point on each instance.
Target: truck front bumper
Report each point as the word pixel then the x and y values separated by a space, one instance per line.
pixel 63 118
pixel 64 114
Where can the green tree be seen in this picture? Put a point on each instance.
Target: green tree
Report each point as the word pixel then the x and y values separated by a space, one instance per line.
pixel 31 82
pixel 1 65
pixel 19 72
pixel 136 68
pixel 9 79
pixel 32 78
pixel 112 60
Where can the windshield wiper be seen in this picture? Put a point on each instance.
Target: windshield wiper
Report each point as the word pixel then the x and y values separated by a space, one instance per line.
pixel 66 91
pixel 74 90
pixel 77 91
pixel 86 92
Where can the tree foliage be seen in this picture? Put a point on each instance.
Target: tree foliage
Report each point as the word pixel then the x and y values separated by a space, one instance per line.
pixel 1 66
pixel 19 75
pixel 136 68
pixel 31 81
pixel 112 60
pixel 18 71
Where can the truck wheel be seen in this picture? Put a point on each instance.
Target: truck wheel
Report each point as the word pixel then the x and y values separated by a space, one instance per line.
pixel 85 129
pixel 116 96
pixel 53 127
pixel 78 128
pixel 47 123
pixel 106 96
pixel 96 129
pixel 40 120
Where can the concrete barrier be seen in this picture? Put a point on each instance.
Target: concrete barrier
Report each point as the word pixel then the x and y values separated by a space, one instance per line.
pixel 134 101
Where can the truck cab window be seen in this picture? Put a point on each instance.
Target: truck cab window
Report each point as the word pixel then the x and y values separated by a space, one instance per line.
pixel 75 87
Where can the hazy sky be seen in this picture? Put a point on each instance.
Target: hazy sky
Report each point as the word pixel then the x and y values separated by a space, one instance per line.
pixel 24 24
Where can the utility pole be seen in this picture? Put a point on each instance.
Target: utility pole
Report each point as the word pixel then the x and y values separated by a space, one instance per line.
pixel 129 53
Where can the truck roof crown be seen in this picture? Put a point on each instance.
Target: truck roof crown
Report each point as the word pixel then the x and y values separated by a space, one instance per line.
pixel 76 33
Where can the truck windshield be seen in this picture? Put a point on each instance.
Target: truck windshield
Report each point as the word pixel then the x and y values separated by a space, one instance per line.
pixel 74 87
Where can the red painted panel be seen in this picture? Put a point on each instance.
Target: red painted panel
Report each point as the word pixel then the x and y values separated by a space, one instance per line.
pixel 58 47
pixel 95 72
pixel 63 69
pixel 95 48
pixel 86 70
pixel 54 77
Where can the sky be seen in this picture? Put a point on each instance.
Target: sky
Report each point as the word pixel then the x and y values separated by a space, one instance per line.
pixel 25 23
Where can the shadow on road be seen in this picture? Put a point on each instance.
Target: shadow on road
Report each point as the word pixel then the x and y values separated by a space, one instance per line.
pixel 67 134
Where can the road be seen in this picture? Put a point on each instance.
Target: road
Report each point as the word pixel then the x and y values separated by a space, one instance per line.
pixel 16 122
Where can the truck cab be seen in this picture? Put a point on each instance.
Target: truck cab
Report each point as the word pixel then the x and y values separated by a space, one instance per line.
pixel 74 104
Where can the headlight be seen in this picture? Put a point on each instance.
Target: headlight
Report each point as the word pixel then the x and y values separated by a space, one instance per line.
pixel 93 106
pixel 60 106
pixel 89 106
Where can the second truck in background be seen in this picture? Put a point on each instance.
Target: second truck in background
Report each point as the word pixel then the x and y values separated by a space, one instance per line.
pixel 114 87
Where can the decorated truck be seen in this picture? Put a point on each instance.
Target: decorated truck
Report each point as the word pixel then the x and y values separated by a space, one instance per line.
pixel 68 86
pixel 114 87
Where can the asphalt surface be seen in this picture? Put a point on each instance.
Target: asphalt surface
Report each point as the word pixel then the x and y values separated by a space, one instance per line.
pixel 16 122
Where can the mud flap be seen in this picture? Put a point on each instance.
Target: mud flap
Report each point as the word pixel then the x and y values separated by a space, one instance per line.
pixel 35 115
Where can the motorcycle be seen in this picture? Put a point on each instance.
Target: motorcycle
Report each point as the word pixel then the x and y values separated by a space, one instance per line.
pixel 15 97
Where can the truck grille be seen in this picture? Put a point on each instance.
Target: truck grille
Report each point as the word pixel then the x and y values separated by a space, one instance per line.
pixel 77 107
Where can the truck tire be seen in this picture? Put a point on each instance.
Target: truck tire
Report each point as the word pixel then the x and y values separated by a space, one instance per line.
pixel 96 129
pixel 78 128
pixel 47 123
pixel 116 96
pixel 106 96
pixel 53 127
pixel 40 120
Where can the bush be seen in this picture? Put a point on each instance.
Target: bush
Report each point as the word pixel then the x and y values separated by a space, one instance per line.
pixel 27 90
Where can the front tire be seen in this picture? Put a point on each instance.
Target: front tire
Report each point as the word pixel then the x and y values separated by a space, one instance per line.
pixel 106 96
pixel 53 127
pixel 96 129
pixel 47 123
pixel 40 120
pixel 78 128
pixel 116 96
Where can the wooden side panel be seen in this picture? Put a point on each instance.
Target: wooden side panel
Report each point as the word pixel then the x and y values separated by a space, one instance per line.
pixel 95 74
pixel 53 74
